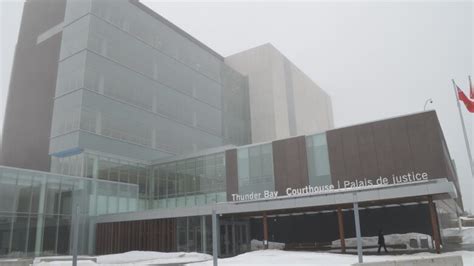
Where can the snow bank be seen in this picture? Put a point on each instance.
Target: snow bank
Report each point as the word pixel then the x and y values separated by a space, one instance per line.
pixel 132 258
pixel 280 257
pixel 392 239
pixel 66 263
pixel 258 245
pixel 467 234
pixel 261 258
pixel 152 257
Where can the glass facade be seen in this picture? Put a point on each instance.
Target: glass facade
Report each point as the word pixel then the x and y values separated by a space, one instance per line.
pixel 193 181
pixel 255 168
pixel 189 182
pixel 104 167
pixel 37 210
pixel 132 85
pixel 133 89
pixel 319 170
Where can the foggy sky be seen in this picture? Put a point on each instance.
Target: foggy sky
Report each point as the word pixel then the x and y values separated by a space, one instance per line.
pixel 376 60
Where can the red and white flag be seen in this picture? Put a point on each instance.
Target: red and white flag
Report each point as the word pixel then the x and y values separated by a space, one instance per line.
pixel 467 102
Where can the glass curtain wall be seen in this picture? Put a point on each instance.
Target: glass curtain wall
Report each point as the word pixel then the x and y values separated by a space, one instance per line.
pixel 318 160
pixel 255 168
pixel 189 182
pixel 37 210
pixel 110 168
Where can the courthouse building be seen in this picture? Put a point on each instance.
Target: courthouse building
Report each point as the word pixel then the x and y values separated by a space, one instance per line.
pixel 117 112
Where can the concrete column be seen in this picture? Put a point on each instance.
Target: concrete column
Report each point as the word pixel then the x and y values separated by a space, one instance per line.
pixel 357 227
pixel 434 224
pixel 40 219
pixel 93 211
pixel 215 243
pixel 265 231
pixel 340 221
pixel 75 235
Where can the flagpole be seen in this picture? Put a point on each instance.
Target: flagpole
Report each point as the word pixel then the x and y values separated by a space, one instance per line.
pixel 463 128
pixel 471 93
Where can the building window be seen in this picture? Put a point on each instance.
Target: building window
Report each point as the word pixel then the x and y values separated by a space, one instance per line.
pixel 318 160
pixel 255 169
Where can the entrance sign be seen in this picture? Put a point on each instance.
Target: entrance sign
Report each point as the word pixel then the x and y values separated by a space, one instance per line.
pixel 409 177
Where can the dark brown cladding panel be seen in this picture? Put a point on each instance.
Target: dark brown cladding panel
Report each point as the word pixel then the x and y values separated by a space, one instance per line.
pixel 290 164
pixel 232 182
pixel 30 100
pixel 391 147
pixel 150 235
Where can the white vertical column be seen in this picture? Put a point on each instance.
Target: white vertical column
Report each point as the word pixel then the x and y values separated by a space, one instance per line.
pixel 214 237
pixel 357 227
pixel 75 235
pixel 93 211
pixel 40 219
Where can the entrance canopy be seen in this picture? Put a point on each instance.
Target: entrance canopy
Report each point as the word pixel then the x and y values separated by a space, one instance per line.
pixel 439 189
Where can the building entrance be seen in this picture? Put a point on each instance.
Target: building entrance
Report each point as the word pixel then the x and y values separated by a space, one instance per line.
pixel 234 237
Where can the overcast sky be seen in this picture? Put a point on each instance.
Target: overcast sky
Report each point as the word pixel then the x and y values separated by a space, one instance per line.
pixel 376 60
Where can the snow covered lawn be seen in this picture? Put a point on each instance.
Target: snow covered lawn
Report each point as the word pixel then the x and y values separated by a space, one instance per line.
pixel 133 258
pixel 260 258
pixel 279 257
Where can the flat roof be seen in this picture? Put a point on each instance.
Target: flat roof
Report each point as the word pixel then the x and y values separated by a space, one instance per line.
pixel 440 189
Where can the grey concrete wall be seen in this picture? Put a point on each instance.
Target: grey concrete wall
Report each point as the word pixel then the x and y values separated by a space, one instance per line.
pixel 284 101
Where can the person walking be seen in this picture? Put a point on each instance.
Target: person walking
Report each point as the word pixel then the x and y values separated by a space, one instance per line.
pixel 381 242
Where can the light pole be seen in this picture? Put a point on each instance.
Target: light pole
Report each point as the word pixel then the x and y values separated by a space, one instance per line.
pixel 427 102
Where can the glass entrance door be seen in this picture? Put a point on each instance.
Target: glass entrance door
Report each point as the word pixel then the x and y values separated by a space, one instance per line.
pixel 234 238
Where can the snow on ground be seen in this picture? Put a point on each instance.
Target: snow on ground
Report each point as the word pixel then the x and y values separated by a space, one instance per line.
pixel 392 239
pixel 152 257
pixel 258 245
pixel 467 234
pixel 261 258
pixel 280 257
pixel 132 258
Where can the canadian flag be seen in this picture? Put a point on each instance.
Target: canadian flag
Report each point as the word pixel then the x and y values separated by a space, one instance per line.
pixel 463 98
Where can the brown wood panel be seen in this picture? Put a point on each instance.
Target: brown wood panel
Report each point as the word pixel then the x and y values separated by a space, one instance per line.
pixel 290 164
pixel 232 182
pixel 350 148
pixel 425 145
pixel 368 155
pixel 153 235
pixel 336 155
pixel 401 151
pixel 383 148
pixel 396 146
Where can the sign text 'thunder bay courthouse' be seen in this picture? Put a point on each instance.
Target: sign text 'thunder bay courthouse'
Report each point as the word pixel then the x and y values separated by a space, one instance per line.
pixel 346 184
